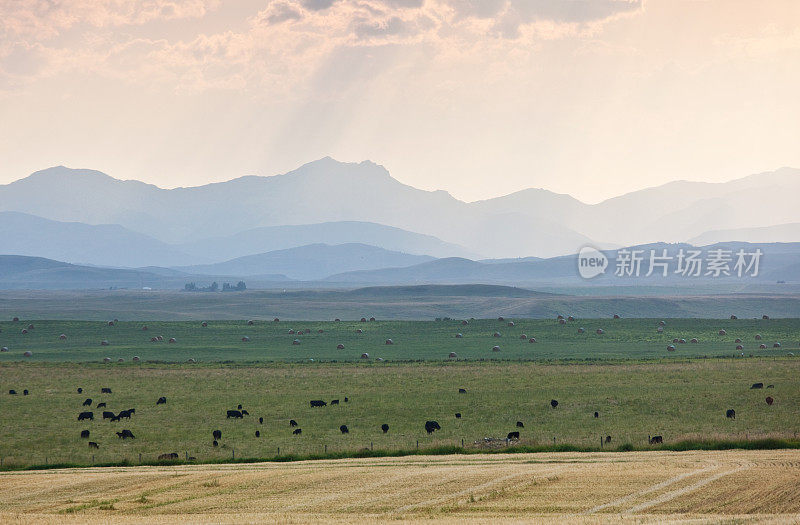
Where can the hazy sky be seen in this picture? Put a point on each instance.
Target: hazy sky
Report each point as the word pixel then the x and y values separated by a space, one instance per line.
pixel 477 97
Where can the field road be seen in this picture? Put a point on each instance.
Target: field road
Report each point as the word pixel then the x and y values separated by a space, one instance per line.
pixel 632 487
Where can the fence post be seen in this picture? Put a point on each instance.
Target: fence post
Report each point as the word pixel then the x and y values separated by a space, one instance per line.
pixel 554 440
pixel 92 458
pixel 601 441
pixel 187 454
pixel 418 444
pixel 233 453
pixel 279 451
pixel 45 461
pixel 140 457
pixel 326 448
pixel 370 445
pixel 462 442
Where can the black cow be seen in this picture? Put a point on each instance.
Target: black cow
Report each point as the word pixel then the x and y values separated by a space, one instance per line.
pixel 84 434
pixel 335 402
pixel 757 385
pixel 730 414
pixel 12 392
pixel 458 415
pixel 125 434
pixel 92 444
pixel 234 414
pixel 215 443
pixel 608 439
pixel 596 415
pixel 292 423
pixel 318 403
pixel 101 405
pixel 462 390
pixel 88 402
pixel 108 415
pixel 245 413
pixel 105 390
pixel 80 390
pixel 258 433
pixel 261 421
pixel 161 401
pixel 346 400
pixel 513 435
pixel 124 413
pixel 239 407
pixel 655 439
pixel 217 434
pixel 385 428
pixel 553 403
pixel 344 429
pixel 520 424
pixel 25 392
pixel 297 431
pixel 86 415
pixel 431 426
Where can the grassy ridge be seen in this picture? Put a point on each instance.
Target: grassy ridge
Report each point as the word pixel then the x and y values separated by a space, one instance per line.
pixel 683 401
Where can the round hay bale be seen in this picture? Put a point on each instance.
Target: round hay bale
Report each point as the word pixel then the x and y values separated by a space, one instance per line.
pixel 4 349
pixel 733 318
pixel 675 340
pixel 739 347
pixel 15 320
pixel 765 317
pixel 379 359
pixel 532 340
pixel 372 319
pixel 662 323
pixel 496 334
pixel 570 318
pixel 307 330
pixel 276 320
pixel 250 323
pixel 290 332
pixel 389 342
pixel 599 331
pixel 144 328
pixel 365 356
pixel 776 345
pixel 511 323
pixel 682 341
pixel 660 329
pixel 581 330
pixel 172 340
pixel 120 360
pixel 501 319
pixel 495 348
pixel 738 340
pixel 204 324
pixel 616 316
pixel 63 337
pixel 28 353
pixel 191 360
pixel 337 320
pixel 769 400
pixel 154 339
pixel 670 348
pixel 694 340
pixel 104 343
pixel 363 319
pixel 559 317
pixel 106 359
pixel 245 339
pixel 722 332
pixel 30 327
pixel 320 331
pixel 136 359
pixel 340 346
pixel 359 331
pixel 561 321
pixel 459 336
pixel 24 331
pixel 762 346
pixel 523 337
pixel 296 342
pixel 464 322
pixel 452 355
pixel 758 337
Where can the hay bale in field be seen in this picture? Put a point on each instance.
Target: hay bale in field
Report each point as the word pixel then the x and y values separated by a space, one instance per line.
pixel 106 359
pixel 337 320
pixel 379 359
pixel 24 331
pixel 365 356
pixel 136 358
pixel 511 323
pixel 452 355
pixel 758 337
pixel 250 323
pixel 523 337
pixel 15 320
pixel 359 331
pixel 120 360
pixel 154 339
pixel 599 331
pixel 501 319
pixel 559 317
pixel 733 318
pixel 245 339
pixel 28 353
pixel 4 349
pixel 372 319
pixel 532 340
pixel 340 346
pixel 363 320
pixel 111 323
pixel 276 320
pixel 581 330
pixel 290 332
pixel 739 347
pixel 765 317
pixel 670 348
pixel 160 337
pixel 722 332
pixel 204 324
pixel 762 346
pixel 738 340
pixel 570 318
pixel 459 336
pixel 561 321
pixel 675 340
pixel 616 316
pixel 63 337
pixel 191 360
pixel 30 327
pixel 660 329
pixel 320 331
pixel 662 323
pixel 776 345
pixel 464 322
pixel 144 328
pixel 495 348
pixel 296 342
pixel 172 340
pixel 682 341
pixel 389 342
pixel 104 343
pixel 497 334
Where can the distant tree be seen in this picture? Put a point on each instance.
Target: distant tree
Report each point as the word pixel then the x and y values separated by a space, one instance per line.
pixel 226 287
pixel 190 287
pixel 240 286
pixel 214 287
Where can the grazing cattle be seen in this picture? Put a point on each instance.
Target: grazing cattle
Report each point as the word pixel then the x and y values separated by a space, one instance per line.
pixel 770 386
pixel 234 414
pixel 520 424
pixel 730 413
pixel 297 431
pixel 108 415
pixel 167 457
pixel 431 426
pixel 513 435
pixel 318 403
pixel 343 429
pixel 12 392
pixel 161 401
pixel 105 390
pixel 245 413
pixel 86 415
pixel 292 423
pixel 124 413
pixel 608 439
pixel 458 415
pixel 25 392
pixel 261 421
pixel 334 402
pixel 757 385
pixel 770 400
pixel 655 440
pixel 553 403
pixel 596 415
pixel 80 390
pixel 462 390
pixel 92 444
pixel 88 402
pixel 346 400
pixel 258 433
pixel 216 434
pixel 101 405
pixel 385 428
pixel 125 434
pixel 84 434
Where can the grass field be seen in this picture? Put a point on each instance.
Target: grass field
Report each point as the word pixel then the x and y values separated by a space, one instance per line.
pixel 634 487
pixel 678 400
pixel 221 341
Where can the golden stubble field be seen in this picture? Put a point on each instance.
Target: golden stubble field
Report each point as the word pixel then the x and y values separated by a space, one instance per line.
pixel 633 487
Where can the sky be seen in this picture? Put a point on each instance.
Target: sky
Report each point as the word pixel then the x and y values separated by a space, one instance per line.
pixel 480 98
